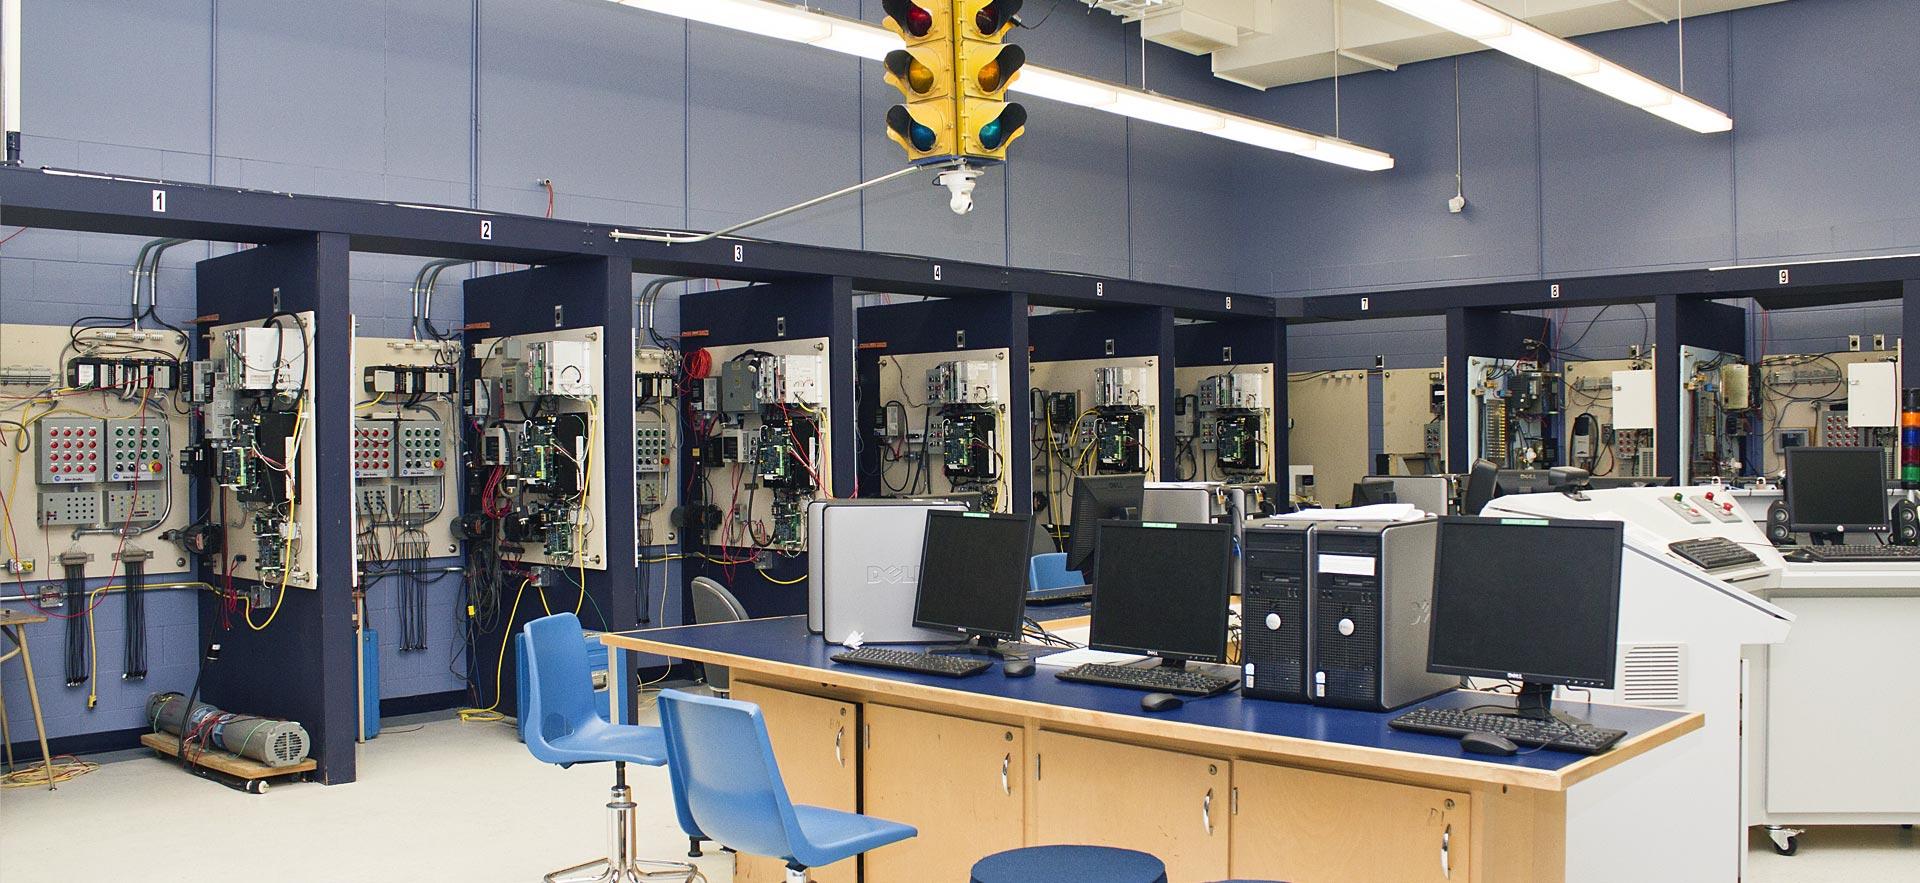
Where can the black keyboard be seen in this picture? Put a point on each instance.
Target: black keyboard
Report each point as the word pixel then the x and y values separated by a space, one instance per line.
pixel 1858 552
pixel 1060 595
pixel 1714 553
pixel 1159 679
pixel 1554 734
pixel 947 665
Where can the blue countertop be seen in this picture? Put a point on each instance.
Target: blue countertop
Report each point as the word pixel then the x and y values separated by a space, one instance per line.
pixel 786 640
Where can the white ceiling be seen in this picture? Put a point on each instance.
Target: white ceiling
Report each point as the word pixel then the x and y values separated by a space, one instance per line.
pixel 1267 43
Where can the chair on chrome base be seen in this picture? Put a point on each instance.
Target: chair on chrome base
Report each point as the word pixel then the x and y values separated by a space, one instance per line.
pixel 727 788
pixel 563 728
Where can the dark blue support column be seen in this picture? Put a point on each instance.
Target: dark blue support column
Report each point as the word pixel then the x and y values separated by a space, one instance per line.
pixel 588 293
pixel 1910 332
pixel 984 322
pixel 1488 334
pixel 302 666
pixel 1685 321
pixel 794 309
pixel 1127 332
pixel 1246 341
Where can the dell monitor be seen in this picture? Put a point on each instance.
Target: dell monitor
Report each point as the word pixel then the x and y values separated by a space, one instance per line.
pixel 1097 498
pixel 973 575
pixel 1527 599
pixel 1833 491
pixel 1161 589
pixel 1373 492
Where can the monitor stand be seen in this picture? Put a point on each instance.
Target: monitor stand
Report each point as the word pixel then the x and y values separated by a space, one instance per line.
pixel 978 645
pixel 1535 702
pixel 1827 538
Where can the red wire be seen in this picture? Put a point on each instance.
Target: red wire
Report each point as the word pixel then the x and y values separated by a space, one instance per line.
pixel 13 234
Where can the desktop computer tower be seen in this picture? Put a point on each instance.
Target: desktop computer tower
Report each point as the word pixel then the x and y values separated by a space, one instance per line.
pixel 1273 610
pixel 1370 604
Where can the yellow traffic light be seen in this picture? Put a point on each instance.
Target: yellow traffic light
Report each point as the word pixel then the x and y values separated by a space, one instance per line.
pixel 924 130
pixel 986 67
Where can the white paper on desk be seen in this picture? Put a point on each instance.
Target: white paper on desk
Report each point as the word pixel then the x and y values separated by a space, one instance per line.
pixel 1375 512
pixel 1071 658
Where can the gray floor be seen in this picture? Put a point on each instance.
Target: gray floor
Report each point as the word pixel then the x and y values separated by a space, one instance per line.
pixel 451 801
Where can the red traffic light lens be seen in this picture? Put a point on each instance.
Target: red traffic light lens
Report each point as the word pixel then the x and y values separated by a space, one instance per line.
pixel 994 16
pixel 914 19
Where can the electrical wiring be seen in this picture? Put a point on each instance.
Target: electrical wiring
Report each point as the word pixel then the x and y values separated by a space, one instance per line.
pixel 491 714
pixel 293 519
pixel 783 582
pixel 65 768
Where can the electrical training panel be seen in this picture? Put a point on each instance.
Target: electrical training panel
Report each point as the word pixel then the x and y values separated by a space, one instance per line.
pixel 758 437
pixel 406 448
pixel 1808 399
pixel 254 445
pixel 1091 417
pixel 1512 412
pixel 1716 414
pixel 92 418
pixel 535 461
pixel 1609 417
pixel 655 445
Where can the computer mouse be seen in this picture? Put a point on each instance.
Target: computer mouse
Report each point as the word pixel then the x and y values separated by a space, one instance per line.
pixel 1488 743
pixel 1017 668
pixel 1161 702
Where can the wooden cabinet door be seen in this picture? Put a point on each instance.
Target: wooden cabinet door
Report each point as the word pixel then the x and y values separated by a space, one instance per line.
pixel 1166 803
pixel 961 782
pixel 1312 827
pixel 815 741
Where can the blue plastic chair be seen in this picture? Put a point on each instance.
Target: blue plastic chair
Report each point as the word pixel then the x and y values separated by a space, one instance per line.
pixel 1069 864
pixel 562 727
pixel 727 787
pixel 1050 571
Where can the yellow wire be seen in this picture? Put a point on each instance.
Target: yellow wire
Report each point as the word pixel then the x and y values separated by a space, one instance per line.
pixel 373 404
pixel 293 522
pixel 488 714
pixel 35 776
pixel 586 500
pixel 783 582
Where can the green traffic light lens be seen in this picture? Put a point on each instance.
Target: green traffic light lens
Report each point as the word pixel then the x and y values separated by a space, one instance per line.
pixel 922 137
pixel 997 133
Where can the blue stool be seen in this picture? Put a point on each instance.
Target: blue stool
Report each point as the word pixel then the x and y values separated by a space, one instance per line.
pixel 1069 864
pixel 563 728
pixel 727 788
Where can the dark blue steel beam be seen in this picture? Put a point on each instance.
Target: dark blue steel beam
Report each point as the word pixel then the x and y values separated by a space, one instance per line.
pixel 107 204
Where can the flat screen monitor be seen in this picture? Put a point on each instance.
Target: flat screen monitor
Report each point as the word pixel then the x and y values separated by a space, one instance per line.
pixel 1096 498
pixel 1161 589
pixel 1374 491
pixel 1836 490
pixel 1527 599
pixel 973 574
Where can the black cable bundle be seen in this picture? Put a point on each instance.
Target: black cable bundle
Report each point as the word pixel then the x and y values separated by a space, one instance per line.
pixel 134 665
pixel 77 624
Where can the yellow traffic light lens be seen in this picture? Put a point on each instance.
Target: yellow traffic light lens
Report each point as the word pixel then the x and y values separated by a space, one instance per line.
pixel 919 77
pixel 990 76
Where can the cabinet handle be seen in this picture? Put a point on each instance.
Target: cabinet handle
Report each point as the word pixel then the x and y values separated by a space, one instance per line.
pixel 1446 849
pixel 1006 763
pixel 839 752
pixel 1206 812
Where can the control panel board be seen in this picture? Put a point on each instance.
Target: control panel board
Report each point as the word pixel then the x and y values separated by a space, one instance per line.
pixel 538 474
pixel 1224 423
pixel 90 420
pixel 1093 417
pixel 759 419
pixel 940 426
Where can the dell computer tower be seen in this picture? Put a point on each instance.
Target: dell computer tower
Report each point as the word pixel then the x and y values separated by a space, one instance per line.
pixel 1336 613
pixel 1273 610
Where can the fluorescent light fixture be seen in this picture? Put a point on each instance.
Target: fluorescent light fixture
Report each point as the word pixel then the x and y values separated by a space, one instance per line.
pixel 798 24
pixel 1066 88
pixel 1148 107
pixel 1550 53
